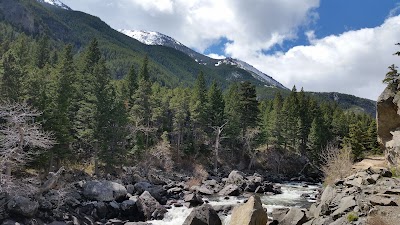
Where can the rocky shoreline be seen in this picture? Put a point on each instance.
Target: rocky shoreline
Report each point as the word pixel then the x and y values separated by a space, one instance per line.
pixel 128 200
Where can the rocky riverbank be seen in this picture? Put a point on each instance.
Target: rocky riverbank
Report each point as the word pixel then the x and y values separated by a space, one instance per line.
pixel 130 200
pixel 370 197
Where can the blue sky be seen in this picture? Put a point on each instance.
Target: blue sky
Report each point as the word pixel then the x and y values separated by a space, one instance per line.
pixel 334 17
pixel 322 45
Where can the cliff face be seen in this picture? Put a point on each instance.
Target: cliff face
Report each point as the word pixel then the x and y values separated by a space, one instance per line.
pixel 388 120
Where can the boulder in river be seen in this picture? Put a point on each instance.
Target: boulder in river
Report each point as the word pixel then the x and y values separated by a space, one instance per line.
pixel 203 215
pixel 250 213
pixel 150 207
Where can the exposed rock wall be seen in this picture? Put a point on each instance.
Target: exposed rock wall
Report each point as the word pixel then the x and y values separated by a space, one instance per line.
pixel 388 120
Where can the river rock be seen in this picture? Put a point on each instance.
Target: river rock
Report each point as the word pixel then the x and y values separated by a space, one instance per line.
pixel 23 206
pixel 194 199
pixel 150 207
pixel 346 204
pixel 203 215
pixel 235 177
pixel 230 190
pixel 106 191
pixel 379 200
pixel 141 187
pixel 250 213
pixel 295 216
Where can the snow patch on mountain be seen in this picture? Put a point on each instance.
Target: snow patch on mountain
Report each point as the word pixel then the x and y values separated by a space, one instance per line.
pixel 255 72
pixel 57 3
pixel 156 38
pixel 150 37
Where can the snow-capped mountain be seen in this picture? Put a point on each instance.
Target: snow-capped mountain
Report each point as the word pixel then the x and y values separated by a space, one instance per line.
pixel 56 3
pixel 156 38
pixel 255 72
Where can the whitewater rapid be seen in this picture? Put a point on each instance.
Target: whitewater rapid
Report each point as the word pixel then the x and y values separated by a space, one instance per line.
pixel 292 196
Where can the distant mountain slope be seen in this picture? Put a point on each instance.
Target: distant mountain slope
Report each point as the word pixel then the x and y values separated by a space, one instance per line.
pixel 168 65
pixel 56 3
pixel 156 38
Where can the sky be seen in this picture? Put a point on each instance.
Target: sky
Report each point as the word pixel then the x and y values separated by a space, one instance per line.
pixel 321 45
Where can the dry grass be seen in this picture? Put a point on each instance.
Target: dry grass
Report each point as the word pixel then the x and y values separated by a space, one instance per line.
pixel 337 163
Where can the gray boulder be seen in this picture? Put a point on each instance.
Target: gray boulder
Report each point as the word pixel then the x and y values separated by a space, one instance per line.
pixel 23 206
pixel 230 190
pixel 203 215
pixel 236 177
pixel 250 213
pixel 295 216
pixel 141 187
pixel 150 207
pixel 106 191
pixel 193 199
pixel 346 204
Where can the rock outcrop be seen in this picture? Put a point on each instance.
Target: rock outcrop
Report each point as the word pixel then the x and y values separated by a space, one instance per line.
pixel 250 213
pixel 363 195
pixel 388 121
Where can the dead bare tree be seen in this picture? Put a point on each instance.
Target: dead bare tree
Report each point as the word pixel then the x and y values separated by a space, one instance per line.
pixel 249 137
pixel 20 136
pixel 218 131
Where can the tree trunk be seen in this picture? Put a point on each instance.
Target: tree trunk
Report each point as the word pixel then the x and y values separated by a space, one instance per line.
pixel 96 163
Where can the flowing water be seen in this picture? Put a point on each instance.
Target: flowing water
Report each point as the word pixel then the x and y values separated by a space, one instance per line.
pixel 291 197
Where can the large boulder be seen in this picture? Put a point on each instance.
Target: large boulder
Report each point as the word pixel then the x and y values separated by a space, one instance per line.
pixel 250 213
pixel 388 121
pixel 203 215
pixel 150 207
pixel 295 216
pixel 106 191
pixel 230 190
pixel 22 206
pixel 194 199
pixel 236 177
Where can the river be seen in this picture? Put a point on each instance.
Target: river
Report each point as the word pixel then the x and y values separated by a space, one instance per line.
pixel 291 197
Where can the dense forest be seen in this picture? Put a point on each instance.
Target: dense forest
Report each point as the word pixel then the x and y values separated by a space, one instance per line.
pixel 93 119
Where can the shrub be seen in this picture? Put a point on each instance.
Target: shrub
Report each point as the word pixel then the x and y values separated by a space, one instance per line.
pixel 337 163
pixel 352 216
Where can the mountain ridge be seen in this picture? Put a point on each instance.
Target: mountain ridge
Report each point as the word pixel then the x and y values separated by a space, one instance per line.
pixel 157 38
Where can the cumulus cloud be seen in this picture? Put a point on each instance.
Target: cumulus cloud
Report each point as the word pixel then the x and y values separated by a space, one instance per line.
pixel 250 26
pixel 354 62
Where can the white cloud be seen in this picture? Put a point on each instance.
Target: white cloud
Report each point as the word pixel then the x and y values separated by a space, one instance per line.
pixel 250 25
pixel 354 62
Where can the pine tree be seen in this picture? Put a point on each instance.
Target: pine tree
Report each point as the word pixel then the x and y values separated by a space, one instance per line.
pixel 216 106
pixel 274 128
pixel 11 79
pixel 356 140
pixel 130 85
pixel 232 112
pixel 249 110
pixel 198 111
pixel 62 113
pixel 41 53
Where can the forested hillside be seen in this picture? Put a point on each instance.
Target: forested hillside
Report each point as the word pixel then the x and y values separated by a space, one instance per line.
pixel 165 108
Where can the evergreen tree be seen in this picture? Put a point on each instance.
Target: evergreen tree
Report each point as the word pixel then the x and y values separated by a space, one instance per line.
pixel 63 114
pixel 130 85
pixel 232 112
pixel 11 79
pixel 216 106
pixel 41 53
pixel 355 140
pixel 198 111
pixel 274 128
pixel 249 110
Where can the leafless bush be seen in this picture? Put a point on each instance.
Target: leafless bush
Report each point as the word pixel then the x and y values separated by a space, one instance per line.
pixel 20 136
pixel 199 174
pixel 162 154
pixel 337 163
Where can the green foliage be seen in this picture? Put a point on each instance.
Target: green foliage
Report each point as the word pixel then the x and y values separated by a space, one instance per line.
pixel 352 216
